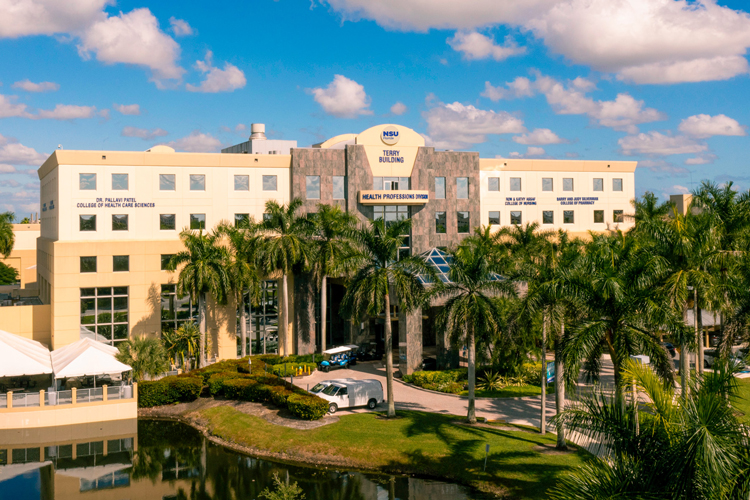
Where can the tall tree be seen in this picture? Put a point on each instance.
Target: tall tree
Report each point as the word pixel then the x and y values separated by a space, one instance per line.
pixel 145 355
pixel 204 271
pixel 382 273
pixel 285 244
pixel 7 238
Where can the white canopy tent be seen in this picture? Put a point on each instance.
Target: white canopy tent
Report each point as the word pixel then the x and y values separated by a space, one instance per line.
pixel 21 356
pixel 86 357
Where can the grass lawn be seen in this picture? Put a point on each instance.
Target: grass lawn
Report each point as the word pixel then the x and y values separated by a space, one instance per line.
pixel 741 402
pixel 417 442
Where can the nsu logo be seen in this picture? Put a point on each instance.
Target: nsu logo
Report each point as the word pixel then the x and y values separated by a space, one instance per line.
pixel 389 135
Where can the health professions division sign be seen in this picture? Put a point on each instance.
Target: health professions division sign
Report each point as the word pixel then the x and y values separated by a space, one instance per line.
pixel 394 197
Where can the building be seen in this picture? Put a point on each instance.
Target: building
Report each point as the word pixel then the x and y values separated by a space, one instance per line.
pixel 111 219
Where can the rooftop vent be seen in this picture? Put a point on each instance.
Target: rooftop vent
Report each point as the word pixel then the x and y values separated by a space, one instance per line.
pixel 258 131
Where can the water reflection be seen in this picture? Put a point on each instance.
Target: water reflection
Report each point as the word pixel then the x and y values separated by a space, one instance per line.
pixel 158 459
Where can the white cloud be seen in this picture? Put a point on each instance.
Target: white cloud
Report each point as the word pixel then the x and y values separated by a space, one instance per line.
pixel 539 136
pixel 460 125
pixel 9 183
pixel 66 112
pixel 32 185
pixel 196 142
pixel 218 80
pixel 13 152
pixel 520 87
pixel 47 17
pixel 399 109
pixel 475 45
pixel 30 86
pixel 658 144
pixel 343 98
pixel 531 152
pixel 662 166
pixel 180 27
pixel 703 159
pixel 7 169
pixel 703 126
pixel 128 109
pixel 142 133
pixel 9 108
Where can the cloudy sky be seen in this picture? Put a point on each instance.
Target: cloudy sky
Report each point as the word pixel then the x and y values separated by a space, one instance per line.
pixel 664 82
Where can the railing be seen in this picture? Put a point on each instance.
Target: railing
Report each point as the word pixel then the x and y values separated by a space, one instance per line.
pixel 25 399
pixel 120 392
pixel 62 398
pixel 3 401
pixel 89 395
pixel 59 398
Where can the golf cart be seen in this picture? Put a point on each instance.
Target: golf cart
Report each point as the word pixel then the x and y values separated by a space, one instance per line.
pixel 338 357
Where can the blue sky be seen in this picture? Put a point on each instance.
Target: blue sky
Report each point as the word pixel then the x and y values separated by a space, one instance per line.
pixel 664 82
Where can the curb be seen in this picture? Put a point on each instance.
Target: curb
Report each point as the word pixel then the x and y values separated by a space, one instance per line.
pixel 458 396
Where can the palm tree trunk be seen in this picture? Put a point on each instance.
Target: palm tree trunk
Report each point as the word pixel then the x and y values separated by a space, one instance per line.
pixel 684 364
pixel 243 326
pixel 323 305
pixel 543 419
pixel 285 313
pixel 560 386
pixel 698 320
pixel 389 358
pixel 202 327
pixel 472 415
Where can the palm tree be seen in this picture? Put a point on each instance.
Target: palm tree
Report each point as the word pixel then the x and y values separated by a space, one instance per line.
pixel 204 270
pixel 145 355
pixel 7 238
pixel 381 272
pixel 471 310
pixel 182 344
pixel 284 245
pixel 332 232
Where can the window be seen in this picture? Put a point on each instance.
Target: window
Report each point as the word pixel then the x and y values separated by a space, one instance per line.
pixel 441 223
pixel 120 222
pixel 263 318
pixel 242 182
pixel 494 218
pixel 391 213
pixel 167 222
pixel 598 184
pixel 515 218
pixel 312 187
pixel 462 188
pixel 548 217
pixel 165 258
pixel 616 184
pixel 269 183
pixel 339 187
pixel 493 184
pixel 87 182
pixel 515 183
pixel 266 217
pixel 87 222
pixel 88 264
pixel 598 216
pixel 197 221
pixel 167 182
pixel 242 221
pixel 617 215
pixel 568 217
pixel 439 188
pixel 104 314
pixel 377 183
pixel 119 182
pixel 176 311
pixel 120 263
pixel 197 182
pixel 547 184
pixel 390 183
pixel 568 184
pixel 462 222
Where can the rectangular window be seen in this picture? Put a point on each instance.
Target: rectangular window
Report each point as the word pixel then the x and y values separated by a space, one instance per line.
pixel 568 184
pixel 548 217
pixel 617 215
pixel 119 182
pixel 515 218
pixel 493 184
pixel 121 263
pixel 270 183
pixel 439 188
pixel 598 184
pixel 165 258
pixel 515 183
pixel 494 218
pixel 462 188
pixel 441 223
pixel 197 221
pixel 104 315
pixel 598 216
pixel 616 184
pixel 339 187
pixel 462 222
pixel 403 183
pixel 167 182
pixel 242 221
pixel 547 184
pixel 87 182
pixel 391 213
pixel 87 222
pixel 377 183
pixel 167 222
pixel 312 187
pixel 88 264
pixel 568 217
pixel 242 182
pixel 120 222
pixel 197 182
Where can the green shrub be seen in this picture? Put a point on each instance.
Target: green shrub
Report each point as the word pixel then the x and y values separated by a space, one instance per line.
pixel 450 387
pixel 216 381
pixel 287 369
pixel 307 406
pixel 279 395
pixel 269 359
pixel 422 378
pixel 169 390
pixel 239 389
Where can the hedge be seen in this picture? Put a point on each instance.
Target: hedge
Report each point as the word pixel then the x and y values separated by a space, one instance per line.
pixel 216 381
pixel 287 369
pixel 307 406
pixel 239 388
pixel 169 390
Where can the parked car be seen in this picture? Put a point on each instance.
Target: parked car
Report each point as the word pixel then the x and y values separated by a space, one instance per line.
pixel 670 349
pixel 352 393
pixel 338 357
pixel 711 355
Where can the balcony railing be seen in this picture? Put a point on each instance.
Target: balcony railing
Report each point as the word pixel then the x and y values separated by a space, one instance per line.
pixel 39 399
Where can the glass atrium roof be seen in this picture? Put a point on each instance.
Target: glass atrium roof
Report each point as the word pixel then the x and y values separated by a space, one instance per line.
pixel 441 262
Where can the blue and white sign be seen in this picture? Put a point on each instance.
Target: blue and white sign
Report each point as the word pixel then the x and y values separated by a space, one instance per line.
pixel 115 203
pixel 520 200
pixel 389 135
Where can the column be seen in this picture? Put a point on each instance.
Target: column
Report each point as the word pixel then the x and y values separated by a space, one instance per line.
pixel 303 313
pixel 410 341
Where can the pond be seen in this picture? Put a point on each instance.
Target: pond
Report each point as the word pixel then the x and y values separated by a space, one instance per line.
pixel 165 460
